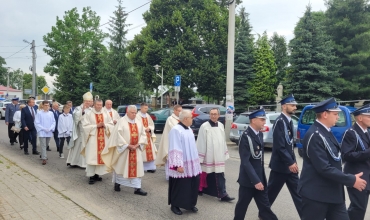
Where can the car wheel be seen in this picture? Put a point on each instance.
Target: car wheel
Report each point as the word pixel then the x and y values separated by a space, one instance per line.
pixel 300 152
pixel 1 115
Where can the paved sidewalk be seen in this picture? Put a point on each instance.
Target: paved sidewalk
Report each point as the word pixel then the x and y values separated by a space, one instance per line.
pixel 23 196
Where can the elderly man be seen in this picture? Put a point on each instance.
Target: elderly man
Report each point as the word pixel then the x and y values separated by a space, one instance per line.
pixel 97 125
pixel 356 155
pixel 184 166
pixel 77 139
pixel 112 113
pixel 123 153
pixel 322 181
pixel 213 153
pixel 55 110
pixel 171 121
pixel 150 150
pixel 9 113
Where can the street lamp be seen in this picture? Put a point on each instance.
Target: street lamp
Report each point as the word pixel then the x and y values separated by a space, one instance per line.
pixel 156 71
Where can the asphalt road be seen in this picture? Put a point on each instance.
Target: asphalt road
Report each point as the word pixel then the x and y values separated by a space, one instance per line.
pixel 101 200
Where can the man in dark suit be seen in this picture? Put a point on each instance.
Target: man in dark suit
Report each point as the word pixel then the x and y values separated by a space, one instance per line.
pixel 283 163
pixel 28 116
pixel 70 104
pixel 322 180
pixel 9 113
pixel 252 177
pixel 356 155
pixel 55 110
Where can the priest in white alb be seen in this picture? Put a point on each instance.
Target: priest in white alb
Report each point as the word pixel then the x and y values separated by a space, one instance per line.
pixel 184 167
pixel 97 127
pixel 171 121
pixel 75 145
pixel 149 152
pixel 112 112
pixel 213 153
pixel 123 153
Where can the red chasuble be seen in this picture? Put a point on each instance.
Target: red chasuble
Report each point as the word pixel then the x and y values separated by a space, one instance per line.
pixel 100 137
pixel 110 113
pixel 148 147
pixel 132 161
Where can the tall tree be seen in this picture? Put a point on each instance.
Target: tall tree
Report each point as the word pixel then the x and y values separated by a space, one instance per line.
pixel 263 89
pixel 117 80
pixel 314 66
pixel 348 23
pixel 225 3
pixel 3 71
pixel 187 38
pixel 244 59
pixel 280 48
pixel 16 79
pixel 69 44
pixel 27 83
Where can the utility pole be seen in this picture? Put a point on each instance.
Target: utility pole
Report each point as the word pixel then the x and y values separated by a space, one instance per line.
pixel 7 85
pixel 34 93
pixel 230 69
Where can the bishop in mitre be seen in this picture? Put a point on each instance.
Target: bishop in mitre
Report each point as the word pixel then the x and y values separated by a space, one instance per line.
pixel 164 143
pixel 112 112
pixel 213 153
pixel 97 125
pixel 149 152
pixel 123 153
pixel 75 145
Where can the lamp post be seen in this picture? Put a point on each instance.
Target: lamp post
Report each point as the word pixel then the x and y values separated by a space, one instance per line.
pixel 156 71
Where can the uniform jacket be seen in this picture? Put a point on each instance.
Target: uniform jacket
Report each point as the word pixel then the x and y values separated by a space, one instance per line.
pixel 26 118
pixel 282 152
pixel 322 178
pixel 355 159
pixel 56 116
pixel 251 170
pixel 9 112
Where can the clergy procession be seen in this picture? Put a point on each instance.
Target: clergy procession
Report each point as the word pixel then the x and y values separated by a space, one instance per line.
pixel 99 141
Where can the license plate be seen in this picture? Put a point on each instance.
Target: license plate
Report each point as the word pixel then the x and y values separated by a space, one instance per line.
pixel 240 132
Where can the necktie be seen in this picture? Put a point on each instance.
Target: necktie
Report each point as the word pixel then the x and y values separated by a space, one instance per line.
pixel 33 114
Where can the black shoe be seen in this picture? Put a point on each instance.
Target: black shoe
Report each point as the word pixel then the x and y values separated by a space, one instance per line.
pixel 26 153
pixel 200 193
pixel 48 149
pixel 16 142
pixel 176 210
pixel 194 209
pixel 21 147
pixel 150 171
pixel 97 178
pixel 117 187
pixel 140 192
pixel 12 143
pixel 36 153
pixel 58 149
pixel 227 199
pixel 91 180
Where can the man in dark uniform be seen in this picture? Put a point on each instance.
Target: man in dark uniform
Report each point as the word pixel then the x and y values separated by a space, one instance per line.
pixel 283 163
pixel 9 113
pixel 252 177
pixel 356 156
pixel 322 180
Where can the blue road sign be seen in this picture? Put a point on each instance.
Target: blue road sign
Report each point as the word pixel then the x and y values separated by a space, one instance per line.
pixel 91 87
pixel 177 80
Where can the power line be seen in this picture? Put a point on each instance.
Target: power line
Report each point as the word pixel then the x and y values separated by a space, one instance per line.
pixel 17 51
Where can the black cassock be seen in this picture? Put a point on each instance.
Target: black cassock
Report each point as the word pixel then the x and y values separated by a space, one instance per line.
pixel 183 192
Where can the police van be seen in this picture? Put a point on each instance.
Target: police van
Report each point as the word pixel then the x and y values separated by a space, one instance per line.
pixel 308 116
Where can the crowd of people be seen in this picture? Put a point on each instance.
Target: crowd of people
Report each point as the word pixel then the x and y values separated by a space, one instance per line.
pixel 102 142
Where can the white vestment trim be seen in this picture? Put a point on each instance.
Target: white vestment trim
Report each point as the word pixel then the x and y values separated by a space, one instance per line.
pixel 130 182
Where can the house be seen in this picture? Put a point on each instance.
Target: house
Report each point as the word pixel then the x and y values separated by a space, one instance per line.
pixel 12 93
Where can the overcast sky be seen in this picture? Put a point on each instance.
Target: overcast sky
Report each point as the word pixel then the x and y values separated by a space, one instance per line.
pixel 31 20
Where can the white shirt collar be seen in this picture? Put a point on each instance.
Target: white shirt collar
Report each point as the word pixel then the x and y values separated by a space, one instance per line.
pixel 364 130
pixel 323 125
pixel 130 121
pixel 143 115
pixel 109 110
pixel 256 132
pixel 288 117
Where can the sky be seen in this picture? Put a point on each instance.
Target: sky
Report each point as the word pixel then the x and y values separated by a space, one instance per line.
pixel 31 20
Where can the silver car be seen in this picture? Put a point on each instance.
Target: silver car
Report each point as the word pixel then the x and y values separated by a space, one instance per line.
pixel 242 123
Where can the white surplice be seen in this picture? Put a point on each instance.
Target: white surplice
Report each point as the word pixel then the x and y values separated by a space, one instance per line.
pixel 75 145
pixel 112 113
pixel 116 154
pixel 148 164
pixel 45 123
pixel 65 125
pixel 212 148
pixel 94 164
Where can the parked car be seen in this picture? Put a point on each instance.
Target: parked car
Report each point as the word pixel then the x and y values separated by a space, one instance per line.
pixel 308 117
pixel 160 116
pixel 2 109
pixel 200 114
pixel 122 109
pixel 60 108
pixel 242 123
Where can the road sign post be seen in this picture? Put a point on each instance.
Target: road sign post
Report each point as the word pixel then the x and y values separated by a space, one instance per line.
pixel 91 87
pixel 177 85
pixel 45 90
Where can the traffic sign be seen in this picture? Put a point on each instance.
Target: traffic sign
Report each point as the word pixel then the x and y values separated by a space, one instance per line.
pixel 177 80
pixel 91 87
pixel 45 90
pixel 28 91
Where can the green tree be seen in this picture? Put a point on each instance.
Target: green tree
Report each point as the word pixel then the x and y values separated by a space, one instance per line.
pixel 348 23
pixel 187 38
pixel 314 66
pixel 118 80
pixel 70 44
pixel 27 83
pixel 280 48
pixel 16 79
pixel 3 71
pixel 244 59
pixel 262 90
pixel 225 3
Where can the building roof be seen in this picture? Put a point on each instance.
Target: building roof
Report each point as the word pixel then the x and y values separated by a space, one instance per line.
pixel 3 88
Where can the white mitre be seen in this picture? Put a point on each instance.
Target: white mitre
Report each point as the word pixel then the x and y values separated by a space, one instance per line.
pixel 87 96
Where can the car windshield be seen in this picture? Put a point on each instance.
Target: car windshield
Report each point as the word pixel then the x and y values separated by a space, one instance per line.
pixel 242 119
pixel 122 110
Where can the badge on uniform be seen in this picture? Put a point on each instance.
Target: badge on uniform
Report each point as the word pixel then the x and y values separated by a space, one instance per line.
pixel 256 152
pixel 289 132
pixel 258 147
